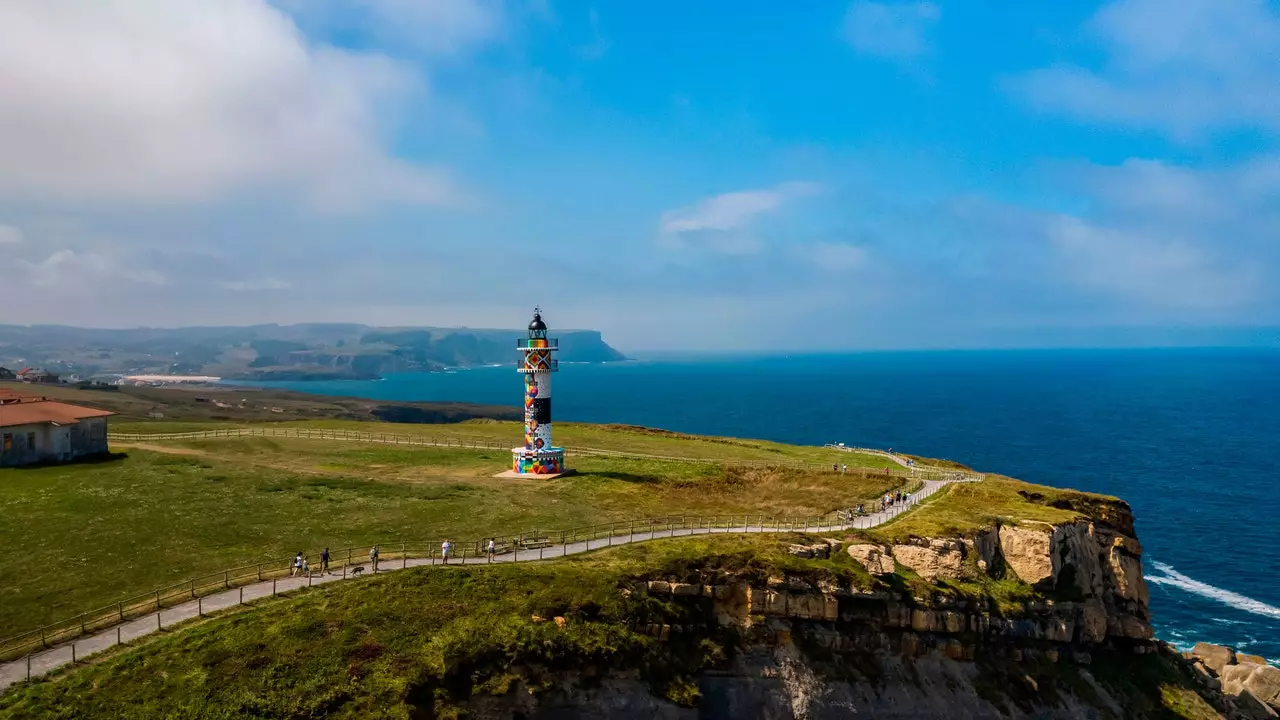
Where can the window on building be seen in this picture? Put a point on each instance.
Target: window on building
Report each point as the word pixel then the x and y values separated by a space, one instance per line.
pixel 8 442
pixel 31 441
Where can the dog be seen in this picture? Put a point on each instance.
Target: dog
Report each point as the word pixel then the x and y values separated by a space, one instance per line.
pixel 355 572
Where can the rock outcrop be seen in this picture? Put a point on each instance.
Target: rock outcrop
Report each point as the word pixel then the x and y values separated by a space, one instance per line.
pixel 821 550
pixel 877 559
pixel 1027 552
pixel 1252 684
pixel 932 558
pixel 1085 562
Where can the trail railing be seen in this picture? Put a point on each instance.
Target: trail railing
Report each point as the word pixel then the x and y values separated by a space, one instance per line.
pixel 926 472
pixel 526 545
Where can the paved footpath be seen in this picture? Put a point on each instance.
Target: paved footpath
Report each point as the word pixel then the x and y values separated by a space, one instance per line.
pixel 38 664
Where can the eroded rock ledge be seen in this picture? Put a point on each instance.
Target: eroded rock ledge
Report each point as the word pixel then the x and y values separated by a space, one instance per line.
pixel 1252 684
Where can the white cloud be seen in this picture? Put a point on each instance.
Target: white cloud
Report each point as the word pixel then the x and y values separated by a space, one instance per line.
pixel 10 235
pixel 734 210
pixel 183 100
pixel 1155 270
pixel 439 27
pixel 66 271
pixel 1185 67
pixel 893 30
pixel 1157 240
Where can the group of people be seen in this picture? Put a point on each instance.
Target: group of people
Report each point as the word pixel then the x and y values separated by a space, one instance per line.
pixel 302 567
pixel 894 498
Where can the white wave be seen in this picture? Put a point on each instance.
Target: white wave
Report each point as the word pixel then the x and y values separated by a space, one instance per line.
pixel 1176 579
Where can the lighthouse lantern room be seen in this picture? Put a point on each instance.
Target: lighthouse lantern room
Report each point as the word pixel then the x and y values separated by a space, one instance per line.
pixel 538 456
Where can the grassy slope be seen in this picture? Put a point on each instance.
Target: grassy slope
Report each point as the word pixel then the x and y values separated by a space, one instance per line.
pixel 376 646
pixel 604 437
pixel 79 537
pixel 965 508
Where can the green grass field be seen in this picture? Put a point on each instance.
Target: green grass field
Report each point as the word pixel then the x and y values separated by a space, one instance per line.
pixel 79 537
pixel 616 438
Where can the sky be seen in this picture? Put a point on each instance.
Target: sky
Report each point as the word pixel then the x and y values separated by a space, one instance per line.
pixel 679 176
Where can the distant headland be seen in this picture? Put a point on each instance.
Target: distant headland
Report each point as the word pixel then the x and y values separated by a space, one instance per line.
pixel 309 351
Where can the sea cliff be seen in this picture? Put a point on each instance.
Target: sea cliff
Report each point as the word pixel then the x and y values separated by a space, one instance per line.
pixel 1033 621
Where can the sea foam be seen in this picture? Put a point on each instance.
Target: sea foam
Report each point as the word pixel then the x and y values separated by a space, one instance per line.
pixel 1236 600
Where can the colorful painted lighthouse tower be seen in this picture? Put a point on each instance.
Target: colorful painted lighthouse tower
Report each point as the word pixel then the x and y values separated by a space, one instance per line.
pixel 538 456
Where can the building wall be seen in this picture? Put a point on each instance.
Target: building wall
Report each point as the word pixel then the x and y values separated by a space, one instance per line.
pixel 16 447
pixel 52 444
pixel 89 437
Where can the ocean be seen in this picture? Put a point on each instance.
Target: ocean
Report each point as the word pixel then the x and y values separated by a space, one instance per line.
pixel 1190 438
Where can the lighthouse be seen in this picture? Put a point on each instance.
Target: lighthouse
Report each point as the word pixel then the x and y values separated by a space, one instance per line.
pixel 538 456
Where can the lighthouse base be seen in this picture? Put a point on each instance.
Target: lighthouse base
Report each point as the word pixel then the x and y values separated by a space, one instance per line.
pixel 549 461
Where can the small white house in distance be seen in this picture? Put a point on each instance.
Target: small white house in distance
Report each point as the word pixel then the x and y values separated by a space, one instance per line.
pixel 36 429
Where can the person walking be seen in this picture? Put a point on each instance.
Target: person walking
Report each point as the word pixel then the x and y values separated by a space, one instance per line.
pixel 306 567
pixel 445 547
pixel 844 468
pixel 297 564
pixel 324 561
pixel 491 549
pixel 373 557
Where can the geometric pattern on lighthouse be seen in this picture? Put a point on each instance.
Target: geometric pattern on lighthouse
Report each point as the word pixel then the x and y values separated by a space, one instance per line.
pixel 538 456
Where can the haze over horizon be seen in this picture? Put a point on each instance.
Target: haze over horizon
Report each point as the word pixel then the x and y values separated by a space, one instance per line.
pixel 852 175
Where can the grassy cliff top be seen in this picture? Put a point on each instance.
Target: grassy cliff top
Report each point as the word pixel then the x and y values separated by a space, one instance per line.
pixel 965 508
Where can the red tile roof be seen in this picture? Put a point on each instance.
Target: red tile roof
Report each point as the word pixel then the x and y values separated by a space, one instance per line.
pixel 40 411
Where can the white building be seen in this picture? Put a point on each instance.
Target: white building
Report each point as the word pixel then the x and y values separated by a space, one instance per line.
pixel 36 429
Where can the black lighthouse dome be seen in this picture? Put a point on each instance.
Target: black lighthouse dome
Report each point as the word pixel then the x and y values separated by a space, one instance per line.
pixel 537 328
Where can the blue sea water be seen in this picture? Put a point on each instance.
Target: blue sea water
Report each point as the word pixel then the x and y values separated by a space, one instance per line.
pixel 1190 438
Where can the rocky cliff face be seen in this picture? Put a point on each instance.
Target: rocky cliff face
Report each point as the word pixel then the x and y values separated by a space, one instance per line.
pixel 812 645
pixel 1089 573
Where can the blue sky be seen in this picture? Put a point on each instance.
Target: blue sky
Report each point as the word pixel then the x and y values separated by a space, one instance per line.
pixel 677 175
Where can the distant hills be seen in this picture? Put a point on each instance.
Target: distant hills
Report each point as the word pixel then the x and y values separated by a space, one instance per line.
pixel 311 351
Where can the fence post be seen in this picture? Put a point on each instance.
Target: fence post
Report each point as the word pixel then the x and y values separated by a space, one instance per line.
pixel 273 587
pixel 73 653
pixel 404 557
pixel 226 582
pixel 28 666
pixel 157 601
pixel 241 595
pixel 158 620
pixel 118 635
pixel 259 572
pixel 200 606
